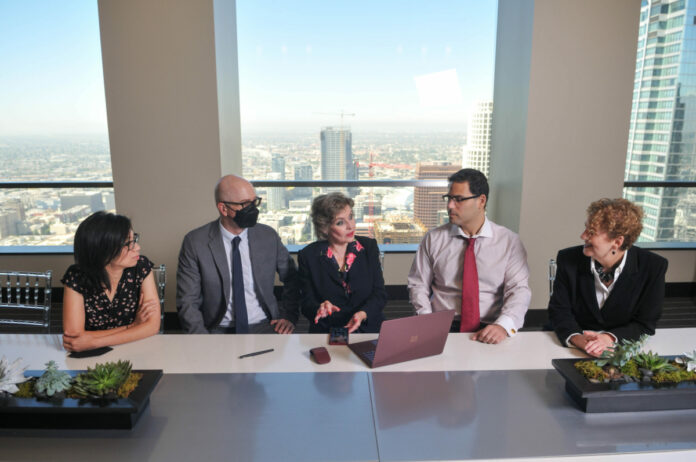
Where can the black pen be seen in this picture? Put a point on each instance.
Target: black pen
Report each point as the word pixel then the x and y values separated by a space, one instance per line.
pixel 256 353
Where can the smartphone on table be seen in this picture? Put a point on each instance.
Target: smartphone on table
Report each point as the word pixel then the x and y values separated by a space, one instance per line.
pixel 338 336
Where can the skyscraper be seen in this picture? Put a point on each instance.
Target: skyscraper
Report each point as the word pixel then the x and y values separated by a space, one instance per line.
pixel 477 153
pixel 303 172
pixel 278 165
pixel 337 155
pixel 427 200
pixel 276 196
pixel 662 134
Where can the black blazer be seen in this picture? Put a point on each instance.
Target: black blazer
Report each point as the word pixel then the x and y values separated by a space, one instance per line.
pixel 320 281
pixel 632 308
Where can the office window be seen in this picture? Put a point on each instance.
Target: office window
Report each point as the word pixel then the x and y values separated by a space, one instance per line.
pixel 364 91
pixel 52 122
pixel 670 208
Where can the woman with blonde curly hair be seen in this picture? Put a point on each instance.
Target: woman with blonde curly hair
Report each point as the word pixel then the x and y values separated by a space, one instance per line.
pixel 607 289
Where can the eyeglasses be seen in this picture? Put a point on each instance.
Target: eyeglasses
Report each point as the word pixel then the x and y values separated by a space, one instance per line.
pixel 131 243
pixel 457 199
pixel 245 204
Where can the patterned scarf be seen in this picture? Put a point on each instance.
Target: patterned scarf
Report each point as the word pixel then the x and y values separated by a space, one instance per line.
pixel 606 276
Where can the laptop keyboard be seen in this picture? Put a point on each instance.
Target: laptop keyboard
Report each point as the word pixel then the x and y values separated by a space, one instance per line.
pixel 370 355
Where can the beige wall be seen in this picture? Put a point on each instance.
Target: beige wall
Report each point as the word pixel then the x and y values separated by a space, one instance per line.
pixel 564 76
pixel 160 79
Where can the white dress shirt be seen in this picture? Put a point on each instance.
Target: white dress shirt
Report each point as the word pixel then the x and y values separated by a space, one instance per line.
pixel 255 313
pixel 601 291
pixel 435 279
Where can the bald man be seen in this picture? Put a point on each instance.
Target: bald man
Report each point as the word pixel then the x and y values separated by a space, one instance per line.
pixel 224 283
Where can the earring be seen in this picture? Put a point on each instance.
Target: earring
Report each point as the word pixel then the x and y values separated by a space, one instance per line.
pixel 613 252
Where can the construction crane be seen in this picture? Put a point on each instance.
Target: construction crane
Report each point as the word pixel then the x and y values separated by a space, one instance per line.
pixel 342 114
pixel 370 165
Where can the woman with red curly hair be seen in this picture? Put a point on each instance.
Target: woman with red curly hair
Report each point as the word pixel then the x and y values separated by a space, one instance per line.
pixel 607 289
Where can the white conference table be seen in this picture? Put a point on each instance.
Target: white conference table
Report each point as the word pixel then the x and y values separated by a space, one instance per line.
pixel 203 354
pixel 526 403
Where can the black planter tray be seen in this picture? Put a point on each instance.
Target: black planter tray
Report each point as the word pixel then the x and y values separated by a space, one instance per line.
pixel 624 397
pixel 120 413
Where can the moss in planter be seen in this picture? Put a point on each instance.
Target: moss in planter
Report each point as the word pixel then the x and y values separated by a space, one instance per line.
pixel 678 375
pixel 631 368
pixel 590 370
pixel 26 389
pixel 130 384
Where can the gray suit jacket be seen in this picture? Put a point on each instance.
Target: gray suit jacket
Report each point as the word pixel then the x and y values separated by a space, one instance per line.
pixel 203 277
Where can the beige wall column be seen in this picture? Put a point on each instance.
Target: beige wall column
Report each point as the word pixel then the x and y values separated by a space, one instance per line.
pixel 567 147
pixel 160 79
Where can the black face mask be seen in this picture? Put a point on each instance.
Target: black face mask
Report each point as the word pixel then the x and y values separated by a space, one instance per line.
pixel 246 217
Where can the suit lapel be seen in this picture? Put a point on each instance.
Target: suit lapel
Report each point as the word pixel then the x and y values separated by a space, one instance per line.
pixel 217 249
pixel 587 288
pixel 254 252
pixel 327 264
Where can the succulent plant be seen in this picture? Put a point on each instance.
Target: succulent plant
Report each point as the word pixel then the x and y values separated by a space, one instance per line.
pixel 102 381
pixel 653 362
pixel 11 375
pixel 688 360
pixel 52 381
pixel 622 352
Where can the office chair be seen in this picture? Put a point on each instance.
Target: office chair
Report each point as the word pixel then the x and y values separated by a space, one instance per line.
pixel 25 299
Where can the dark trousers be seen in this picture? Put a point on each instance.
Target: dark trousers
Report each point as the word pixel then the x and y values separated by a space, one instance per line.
pixel 263 327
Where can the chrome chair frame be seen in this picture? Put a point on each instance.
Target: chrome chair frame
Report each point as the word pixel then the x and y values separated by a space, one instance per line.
pixel 24 292
pixel 160 274
pixel 552 275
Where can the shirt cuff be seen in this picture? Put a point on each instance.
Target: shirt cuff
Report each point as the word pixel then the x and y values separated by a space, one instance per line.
pixel 567 341
pixel 506 323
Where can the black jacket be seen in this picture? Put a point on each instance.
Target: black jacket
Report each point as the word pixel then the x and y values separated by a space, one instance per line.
pixel 320 281
pixel 632 308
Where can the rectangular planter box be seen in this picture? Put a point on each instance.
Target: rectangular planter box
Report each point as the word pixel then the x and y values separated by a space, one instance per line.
pixel 122 413
pixel 624 397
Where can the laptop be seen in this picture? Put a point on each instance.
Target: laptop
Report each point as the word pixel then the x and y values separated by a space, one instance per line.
pixel 405 339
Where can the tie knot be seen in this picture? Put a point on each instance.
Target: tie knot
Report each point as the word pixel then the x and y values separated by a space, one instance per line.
pixel 236 240
pixel 470 241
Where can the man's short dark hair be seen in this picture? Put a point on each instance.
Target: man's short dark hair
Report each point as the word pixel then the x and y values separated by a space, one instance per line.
pixel 478 184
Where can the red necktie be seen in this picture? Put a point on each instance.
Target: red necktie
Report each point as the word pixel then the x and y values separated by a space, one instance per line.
pixel 471 317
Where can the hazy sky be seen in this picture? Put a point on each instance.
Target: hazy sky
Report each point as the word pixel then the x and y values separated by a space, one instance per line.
pixel 298 58
pixel 396 64
pixel 51 79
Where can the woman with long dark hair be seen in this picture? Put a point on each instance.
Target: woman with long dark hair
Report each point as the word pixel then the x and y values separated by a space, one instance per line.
pixel 110 294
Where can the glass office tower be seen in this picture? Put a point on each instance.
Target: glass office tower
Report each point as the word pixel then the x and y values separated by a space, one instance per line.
pixel 661 143
pixel 337 157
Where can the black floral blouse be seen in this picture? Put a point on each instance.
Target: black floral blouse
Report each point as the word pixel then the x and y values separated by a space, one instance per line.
pixel 100 313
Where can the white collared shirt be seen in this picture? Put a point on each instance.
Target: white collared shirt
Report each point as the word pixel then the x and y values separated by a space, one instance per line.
pixel 435 279
pixel 255 313
pixel 601 291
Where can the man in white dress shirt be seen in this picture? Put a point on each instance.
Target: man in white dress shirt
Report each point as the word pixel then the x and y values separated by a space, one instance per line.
pixel 206 279
pixel 501 273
